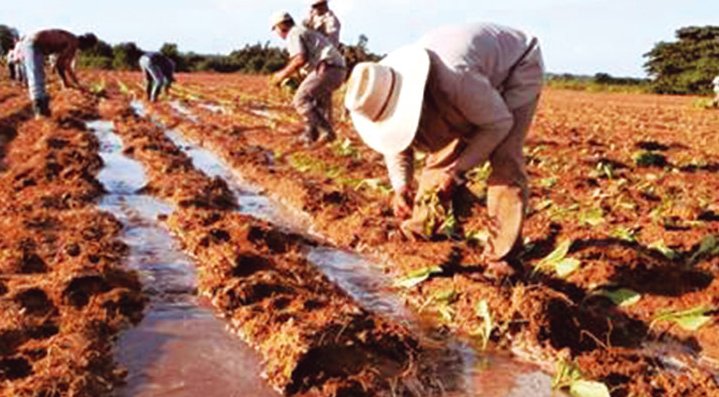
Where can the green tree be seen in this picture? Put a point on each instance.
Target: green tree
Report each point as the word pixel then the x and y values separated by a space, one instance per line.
pixel 688 65
pixel 126 56
pixel 171 51
pixel 100 56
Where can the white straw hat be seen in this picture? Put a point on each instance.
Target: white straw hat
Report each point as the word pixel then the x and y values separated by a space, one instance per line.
pixel 279 17
pixel 385 99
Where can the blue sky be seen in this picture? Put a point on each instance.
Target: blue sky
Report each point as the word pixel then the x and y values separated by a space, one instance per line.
pixel 577 36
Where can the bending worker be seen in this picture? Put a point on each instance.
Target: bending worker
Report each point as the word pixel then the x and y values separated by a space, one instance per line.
pixel 464 95
pixel 328 71
pixel 44 43
pixel 159 73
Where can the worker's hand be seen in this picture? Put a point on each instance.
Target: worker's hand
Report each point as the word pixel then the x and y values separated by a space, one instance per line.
pixel 446 187
pixel 402 203
pixel 276 79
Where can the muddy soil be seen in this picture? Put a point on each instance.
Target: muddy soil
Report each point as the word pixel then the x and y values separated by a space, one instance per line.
pixel 64 292
pixel 628 181
pixel 314 339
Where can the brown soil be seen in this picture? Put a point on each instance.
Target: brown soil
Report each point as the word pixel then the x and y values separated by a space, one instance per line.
pixel 64 294
pixel 315 340
pixel 587 186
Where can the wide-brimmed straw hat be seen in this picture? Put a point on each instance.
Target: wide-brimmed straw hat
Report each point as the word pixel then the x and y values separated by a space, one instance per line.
pixel 278 18
pixel 385 99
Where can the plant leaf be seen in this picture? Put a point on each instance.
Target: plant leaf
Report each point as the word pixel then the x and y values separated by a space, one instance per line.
pixel 708 245
pixel 567 266
pixel 622 297
pixel 558 261
pixel 586 388
pixel 661 246
pixel 689 320
pixel 417 277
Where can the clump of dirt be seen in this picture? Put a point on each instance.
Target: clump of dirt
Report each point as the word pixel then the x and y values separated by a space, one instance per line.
pixel 56 333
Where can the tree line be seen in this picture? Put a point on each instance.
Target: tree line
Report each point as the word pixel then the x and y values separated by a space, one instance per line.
pixel 685 66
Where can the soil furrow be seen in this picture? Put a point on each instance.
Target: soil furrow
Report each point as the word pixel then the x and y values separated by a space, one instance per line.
pixel 64 290
pixel 314 338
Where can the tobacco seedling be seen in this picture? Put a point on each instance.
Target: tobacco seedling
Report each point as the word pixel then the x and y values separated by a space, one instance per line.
pixel 416 277
pixel 346 149
pixel 709 246
pixel 625 234
pixel 570 377
pixel 622 297
pixel 661 247
pixel 375 184
pixel 484 331
pixel 688 320
pixel 558 262
pixel 592 217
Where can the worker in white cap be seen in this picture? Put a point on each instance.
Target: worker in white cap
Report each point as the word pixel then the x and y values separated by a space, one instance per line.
pixel 323 20
pixel 464 95
pixel 716 91
pixel 328 71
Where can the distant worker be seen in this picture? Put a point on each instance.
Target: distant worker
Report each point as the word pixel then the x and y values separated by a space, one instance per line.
pixel 15 63
pixel 159 74
pixel 36 47
pixel 716 91
pixel 323 20
pixel 328 71
pixel 464 95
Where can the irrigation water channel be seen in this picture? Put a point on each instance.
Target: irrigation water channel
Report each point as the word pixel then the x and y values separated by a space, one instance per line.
pixel 182 349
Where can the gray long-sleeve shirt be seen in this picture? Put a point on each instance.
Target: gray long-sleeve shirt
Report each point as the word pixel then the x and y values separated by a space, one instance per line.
pixel 479 74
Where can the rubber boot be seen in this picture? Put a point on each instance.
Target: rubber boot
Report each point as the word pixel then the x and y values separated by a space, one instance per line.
pixel 308 136
pixel 505 205
pixel 41 107
pixel 327 135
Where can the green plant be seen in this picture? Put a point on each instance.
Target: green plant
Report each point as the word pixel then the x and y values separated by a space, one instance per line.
pixel 622 297
pixel 558 262
pixel 708 246
pixel 346 149
pixel 417 277
pixel 662 248
pixel 625 234
pixel 689 320
pixel 484 331
pixel 569 376
pixel 591 217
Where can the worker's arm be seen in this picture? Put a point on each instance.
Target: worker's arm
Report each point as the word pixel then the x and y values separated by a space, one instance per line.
pixel 295 64
pixel 332 28
pixel 400 168
pixel 484 107
pixel 65 66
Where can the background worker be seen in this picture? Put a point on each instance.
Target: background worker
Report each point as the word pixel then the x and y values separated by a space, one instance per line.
pixel 64 45
pixel 159 73
pixel 328 71
pixel 323 20
pixel 716 91
pixel 463 94
pixel 16 63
